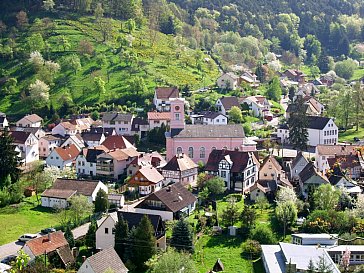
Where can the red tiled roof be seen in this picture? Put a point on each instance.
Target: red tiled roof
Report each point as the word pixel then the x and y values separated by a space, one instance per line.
pixel 68 153
pixel 181 163
pixel 167 92
pixel 159 116
pixel 47 243
pixel 116 142
pixel 33 118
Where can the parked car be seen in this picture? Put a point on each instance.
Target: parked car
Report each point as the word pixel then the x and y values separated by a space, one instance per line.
pixel 27 237
pixel 9 259
pixel 48 230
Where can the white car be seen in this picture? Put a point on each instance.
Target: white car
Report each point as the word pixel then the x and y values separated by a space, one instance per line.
pixel 27 237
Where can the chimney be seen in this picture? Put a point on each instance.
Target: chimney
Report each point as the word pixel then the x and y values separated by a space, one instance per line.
pixel 83 258
pixel 49 236
pixel 168 189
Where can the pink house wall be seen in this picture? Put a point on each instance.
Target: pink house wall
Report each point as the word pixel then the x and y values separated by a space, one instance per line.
pixel 209 143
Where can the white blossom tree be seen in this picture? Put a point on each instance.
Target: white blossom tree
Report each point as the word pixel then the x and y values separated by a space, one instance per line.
pixel 285 195
pixel 39 93
pixel 36 59
pixel 48 5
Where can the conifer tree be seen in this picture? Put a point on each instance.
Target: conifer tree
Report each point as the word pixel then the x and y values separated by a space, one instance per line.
pixel 142 244
pixel 298 123
pixel 9 160
pixel 69 236
pixel 90 239
pixel 101 201
pixel 182 237
pixel 121 235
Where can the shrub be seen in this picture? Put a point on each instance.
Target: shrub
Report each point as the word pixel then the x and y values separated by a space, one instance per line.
pixel 251 249
pixel 263 235
pixel 236 196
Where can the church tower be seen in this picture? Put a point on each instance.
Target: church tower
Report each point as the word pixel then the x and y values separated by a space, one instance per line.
pixel 177 113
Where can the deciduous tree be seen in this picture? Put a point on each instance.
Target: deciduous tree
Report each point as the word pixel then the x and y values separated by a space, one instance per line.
pixel 172 261
pixel 101 201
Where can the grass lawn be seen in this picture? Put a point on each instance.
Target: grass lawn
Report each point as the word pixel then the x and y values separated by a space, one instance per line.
pixel 350 134
pixel 228 249
pixel 26 217
pixel 358 74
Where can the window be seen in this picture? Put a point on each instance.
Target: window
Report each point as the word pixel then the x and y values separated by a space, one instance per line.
pixel 179 150
pixel 176 115
pixel 106 230
pixel 190 152
pixel 223 174
pixel 202 152
pixel 125 122
pixel 213 148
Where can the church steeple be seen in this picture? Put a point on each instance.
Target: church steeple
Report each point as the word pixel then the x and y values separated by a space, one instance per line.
pixel 177 113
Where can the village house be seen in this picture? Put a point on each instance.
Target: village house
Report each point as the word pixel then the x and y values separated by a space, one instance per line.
pixel 297 165
pixel 310 177
pixel 341 181
pixel 48 143
pixel 197 141
pixel 229 81
pixel 171 202
pixel 53 245
pixel 321 130
pixel 106 131
pixel 312 107
pixel 87 159
pixel 139 127
pixel 117 200
pixel 153 159
pixel 3 121
pixel 93 139
pixel 117 142
pixel 103 261
pixel 324 152
pixel 65 128
pixel 238 169
pixel 105 234
pixel 209 118
pixel 83 124
pixel 295 75
pixel 74 140
pixel 113 164
pixel 32 120
pixel 356 253
pixel 146 180
pixel 250 78
pixel 224 104
pixel 36 131
pixel 181 169
pixel 259 105
pixel 121 123
pixel 63 189
pixel 278 258
pixel 27 144
pixel 351 164
pixel 308 239
pixel 162 97
pixel 63 157
pixel 156 119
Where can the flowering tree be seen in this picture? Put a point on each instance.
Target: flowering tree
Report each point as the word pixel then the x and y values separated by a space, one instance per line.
pixel 345 260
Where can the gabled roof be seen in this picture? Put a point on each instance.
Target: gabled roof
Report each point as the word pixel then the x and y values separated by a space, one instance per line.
pixel 211 115
pixel 123 154
pixel 117 117
pixel 92 153
pixel 298 159
pixel 65 254
pixel 59 193
pixel 167 92
pixel 137 122
pixel 116 142
pixel 134 218
pixel 49 243
pixel 310 171
pixel 274 161
pixel 107 259
pixel 318 123
pixel 231 75
pixel 180 162
pixel 106 131
pixel 88 136
pixel 210 131
pixel 67 125
pixel 149 173
pixel 229 102
pixel 159 115
pixel 336 150
pixel 19 137
pixel 175 197
pixel 33 118
pixel 345 161
pixel 32 130
pixel 84 187
pixel 67 152
pixel 239 160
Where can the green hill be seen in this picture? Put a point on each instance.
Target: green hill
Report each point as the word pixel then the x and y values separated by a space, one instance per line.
pixel 164 62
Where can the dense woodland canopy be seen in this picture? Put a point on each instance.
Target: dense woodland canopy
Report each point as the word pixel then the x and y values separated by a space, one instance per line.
pixel 117 51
